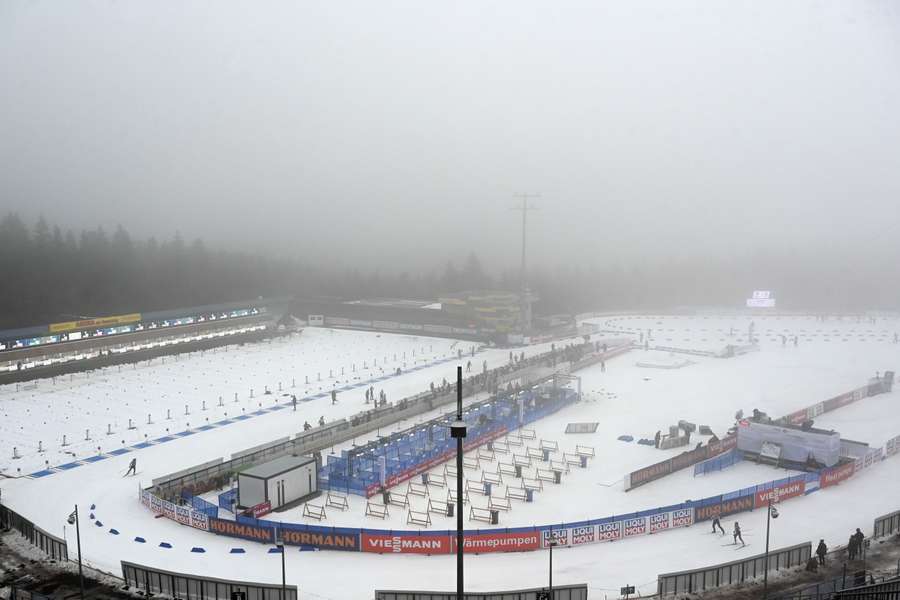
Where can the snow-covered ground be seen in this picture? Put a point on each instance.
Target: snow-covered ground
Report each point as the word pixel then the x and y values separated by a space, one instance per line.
pixel 625 399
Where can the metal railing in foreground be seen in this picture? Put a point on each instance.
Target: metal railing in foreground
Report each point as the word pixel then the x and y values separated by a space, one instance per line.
pixel 562 592
pixel 195 587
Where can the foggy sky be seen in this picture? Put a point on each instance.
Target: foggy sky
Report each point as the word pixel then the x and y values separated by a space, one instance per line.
pixel 395 134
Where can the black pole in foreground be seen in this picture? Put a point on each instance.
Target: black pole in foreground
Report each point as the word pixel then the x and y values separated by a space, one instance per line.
pixel 458 430
pixel 766 569
pixel 78 540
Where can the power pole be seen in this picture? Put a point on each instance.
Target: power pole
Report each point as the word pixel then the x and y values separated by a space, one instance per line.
pixel 526 304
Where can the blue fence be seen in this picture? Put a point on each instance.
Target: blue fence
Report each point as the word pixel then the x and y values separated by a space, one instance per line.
pixel 717 463
pixel 402 455
pixel 228 499
pixel 200 505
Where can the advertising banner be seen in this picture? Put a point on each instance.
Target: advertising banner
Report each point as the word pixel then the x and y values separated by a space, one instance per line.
pixel 780 493
pixel 98 322
pixel 242 530
pixel 325 539
pixel 647 474
pixel 481 543
pixel 633 527
pixel 405 543
pixel 183 515
pixel 199 520
pixel 683 517
pixel 261 509
pixel 659 522
pixel 572 536
pixel 724 508
pixel 609 532
pixel 836 475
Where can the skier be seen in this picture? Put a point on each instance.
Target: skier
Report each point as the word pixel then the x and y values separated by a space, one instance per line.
pixel 717 524
pixel 334 396
pixel 132 469
pixel 321 421
pixel 821 551
pixel 294 402
pixel 737 534
pixel 469 367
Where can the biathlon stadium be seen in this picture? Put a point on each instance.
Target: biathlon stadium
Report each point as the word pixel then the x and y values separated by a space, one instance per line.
pixel 322 445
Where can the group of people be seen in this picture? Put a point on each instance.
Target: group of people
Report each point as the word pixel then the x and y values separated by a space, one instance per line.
pixel 370 397
pixel 735 532
pixel 855 550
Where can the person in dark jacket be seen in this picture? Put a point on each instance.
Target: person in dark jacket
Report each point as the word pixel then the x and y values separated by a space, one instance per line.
pixel 860 540
pixel 852 548
pixel 717 524
pixel 821 551
pixel 737 534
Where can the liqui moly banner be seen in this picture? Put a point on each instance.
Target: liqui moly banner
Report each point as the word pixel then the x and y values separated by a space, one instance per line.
pixel 659 522
pixel 633 527
pixel 780 493
pixel 609 532
pixel 570 536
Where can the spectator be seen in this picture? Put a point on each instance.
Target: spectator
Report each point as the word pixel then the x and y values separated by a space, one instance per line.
pixel 821 551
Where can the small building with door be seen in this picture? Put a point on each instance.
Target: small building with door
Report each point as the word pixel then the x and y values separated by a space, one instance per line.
pixel 279 482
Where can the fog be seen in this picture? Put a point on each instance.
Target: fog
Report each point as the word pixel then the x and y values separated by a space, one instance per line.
pixel 396 134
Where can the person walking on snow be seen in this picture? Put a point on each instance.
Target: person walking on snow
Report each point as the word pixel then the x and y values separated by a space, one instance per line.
pixel 334 396
pixel 737 534
pixel 860 541
pixel 132 469
pixel 821 551
pixel 717 524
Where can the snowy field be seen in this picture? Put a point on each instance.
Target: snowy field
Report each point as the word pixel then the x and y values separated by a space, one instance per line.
pixel 625 399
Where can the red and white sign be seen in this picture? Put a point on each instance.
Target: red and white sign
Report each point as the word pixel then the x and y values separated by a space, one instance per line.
pixel 261 509
pixel 481 543
pixel 633 527
pixel 609 532
pixel 405 544
pixel 780 493
pixel 837 475
pixel 659 522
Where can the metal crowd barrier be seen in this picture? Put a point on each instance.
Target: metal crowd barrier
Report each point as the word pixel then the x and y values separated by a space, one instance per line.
pixel 730 573
pixel 561 592
pixel 195 587
pixel 51 545
pixel 887 524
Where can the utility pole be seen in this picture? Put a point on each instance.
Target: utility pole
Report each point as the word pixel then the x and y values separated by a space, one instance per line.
pixel 458 431
pixel 526 305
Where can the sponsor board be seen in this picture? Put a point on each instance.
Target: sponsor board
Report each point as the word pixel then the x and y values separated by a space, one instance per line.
pixel 326 540
pixel 481 543
pixel 99 322
pixel 199 520
pixel 405 543
pixel 780 493
pixel 242 530
pixel 797 418
pixel 724 508
pixel 721 446
pixel 183 515
pixel 571 536
pixel 609 532
pixel 836 475
pixel 263 508
pixel 647 474
pixel 683 517
pixel 659 522
pixel 633 527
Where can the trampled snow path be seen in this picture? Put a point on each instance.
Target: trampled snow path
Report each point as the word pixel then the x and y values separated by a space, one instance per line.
pixel 630 400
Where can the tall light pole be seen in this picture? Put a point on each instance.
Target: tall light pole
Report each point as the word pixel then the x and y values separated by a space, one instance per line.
pixel 526 306
pixel 73 519
pixel 279 548
pixel 552 543
pixel 771 513
pixel 458 430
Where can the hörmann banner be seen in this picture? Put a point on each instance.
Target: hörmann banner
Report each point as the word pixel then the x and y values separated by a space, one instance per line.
pixel 325 540
pixel 724 508
pixel 242 530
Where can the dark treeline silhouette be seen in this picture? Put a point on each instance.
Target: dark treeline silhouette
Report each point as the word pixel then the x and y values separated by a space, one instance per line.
pixel 47 275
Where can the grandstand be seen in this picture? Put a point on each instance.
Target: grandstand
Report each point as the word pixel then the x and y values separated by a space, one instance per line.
pixel 64 347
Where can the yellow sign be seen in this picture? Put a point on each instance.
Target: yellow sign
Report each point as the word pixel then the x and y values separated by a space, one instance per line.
pixel 98 322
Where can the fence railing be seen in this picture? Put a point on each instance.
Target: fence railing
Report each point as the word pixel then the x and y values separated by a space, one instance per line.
pixel 193 587
pixel 730 573
pixel 886 590
pixel 51 545
pixel 887 524
pixel 561 592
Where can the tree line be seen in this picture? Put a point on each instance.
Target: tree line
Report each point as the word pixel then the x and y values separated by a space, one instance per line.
pixel 48 274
